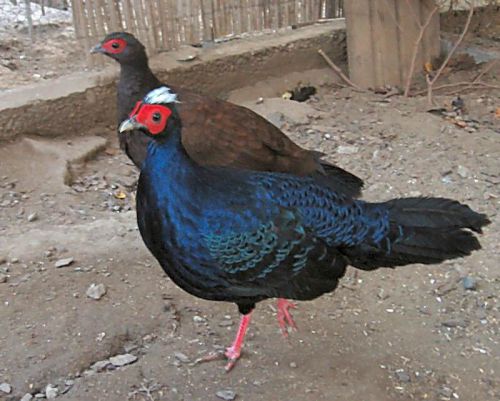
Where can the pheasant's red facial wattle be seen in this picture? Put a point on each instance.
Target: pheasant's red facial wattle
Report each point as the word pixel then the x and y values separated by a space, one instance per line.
pixel 135 109
pixel 153 116
pixel 115 46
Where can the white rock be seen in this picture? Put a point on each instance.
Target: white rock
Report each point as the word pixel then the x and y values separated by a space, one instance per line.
pixel 64 262
pixel 5 388
pixel 27 397
pixel 463 172
pixel 347 150
pixel 226 395
pixel 51 391
pixel 96 291
pixel 122 360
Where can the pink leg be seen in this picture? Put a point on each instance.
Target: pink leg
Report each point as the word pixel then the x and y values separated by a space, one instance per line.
pixel 234 351
pixel 285 318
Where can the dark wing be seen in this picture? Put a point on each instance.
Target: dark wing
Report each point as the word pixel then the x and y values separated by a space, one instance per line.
pixel 276 258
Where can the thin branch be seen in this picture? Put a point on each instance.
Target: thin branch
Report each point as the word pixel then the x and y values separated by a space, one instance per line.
pixel 338 70
pixel 415 50
pixel 469 85
pixel 432 81
pixel 485 70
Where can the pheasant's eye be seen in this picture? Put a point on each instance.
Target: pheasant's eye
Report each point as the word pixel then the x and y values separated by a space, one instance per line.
pixel 156 117
pixel 115 45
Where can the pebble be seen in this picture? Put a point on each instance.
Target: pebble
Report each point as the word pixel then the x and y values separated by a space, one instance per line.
pixel 32 217
pixel 64 262
pixel 227 395
pixel 99 366
pixel 347 150
pixel 51 391
pixel 469 283
pixel 455 323
pixel 402 376
pixel 3 278
pixel 26 397
pixel 181 357
pixel 5 388
pixel 198 319
pixel 463 172
pixel 293 365
pixel 96 291
pixel 226 323
pixel 122 360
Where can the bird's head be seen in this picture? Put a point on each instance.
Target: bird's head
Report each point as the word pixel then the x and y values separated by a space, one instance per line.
pixel 121 46
pixel 155 115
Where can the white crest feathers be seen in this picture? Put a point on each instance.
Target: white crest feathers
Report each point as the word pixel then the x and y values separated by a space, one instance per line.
pixel 163 94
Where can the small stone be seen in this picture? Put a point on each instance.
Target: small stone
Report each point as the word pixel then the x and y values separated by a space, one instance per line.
pixel 181 357
pixel 455 323
pixel 64 262
pixel 99 366
pixel 402 376
pixel 39 396
pixel 463 171
pixel 293 365
pixel 347 150
pixel 27 397
pixel 14 260
pixel 3 278
pixel 51 391
pixel 226 323
pixel 5 388
pixel 198 319
pixel 227 395
pixel 32 217
pixel 96 291
pixel 469 283
pixel 122 360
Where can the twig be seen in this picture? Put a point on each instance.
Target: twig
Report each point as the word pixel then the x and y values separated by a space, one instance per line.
pixel 415 50
pixel 338 70
pixel 432 81
pixel 485 70
pixel 470 85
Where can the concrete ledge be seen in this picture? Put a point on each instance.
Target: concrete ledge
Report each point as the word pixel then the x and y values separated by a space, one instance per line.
pixel 78 103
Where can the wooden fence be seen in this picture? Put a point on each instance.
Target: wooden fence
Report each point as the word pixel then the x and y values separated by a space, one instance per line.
pixel 165 24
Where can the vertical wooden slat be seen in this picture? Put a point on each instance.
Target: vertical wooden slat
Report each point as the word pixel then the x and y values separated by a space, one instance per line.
pixel 114 22
pixel 128 16
pixel 385 48
pixel 153 25
pixel 360 53
pixel 409 33
pixel 431 42
pixel 99 10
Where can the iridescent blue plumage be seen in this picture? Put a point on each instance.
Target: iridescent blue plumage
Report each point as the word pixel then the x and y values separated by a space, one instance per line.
pixel 244 236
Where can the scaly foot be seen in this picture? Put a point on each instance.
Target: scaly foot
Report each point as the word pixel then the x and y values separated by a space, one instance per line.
pixel 285 319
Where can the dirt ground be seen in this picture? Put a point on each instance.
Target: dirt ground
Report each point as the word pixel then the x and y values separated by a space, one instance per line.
pixel 415 333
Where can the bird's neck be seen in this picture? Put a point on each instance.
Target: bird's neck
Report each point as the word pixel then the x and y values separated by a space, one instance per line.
pixel 136 80
pixel 168 156
pixel 137 70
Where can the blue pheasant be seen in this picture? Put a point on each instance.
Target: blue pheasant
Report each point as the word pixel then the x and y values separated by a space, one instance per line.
pixel 244 236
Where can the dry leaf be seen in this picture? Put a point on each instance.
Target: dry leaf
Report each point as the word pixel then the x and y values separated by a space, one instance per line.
pixel 428 67
pixel 120 195
pixel 497 112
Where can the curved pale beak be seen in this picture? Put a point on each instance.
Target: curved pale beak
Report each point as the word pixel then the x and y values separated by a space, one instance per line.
pixel 129 125
pixel 97 49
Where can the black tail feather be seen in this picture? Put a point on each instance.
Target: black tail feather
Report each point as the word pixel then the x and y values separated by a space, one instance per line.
pixel 422 230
